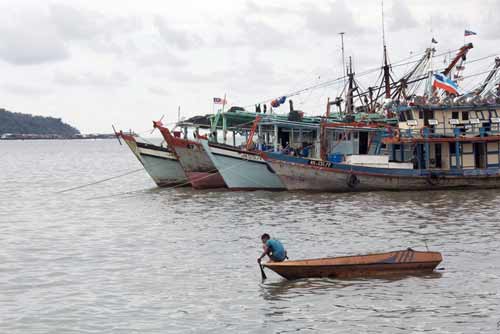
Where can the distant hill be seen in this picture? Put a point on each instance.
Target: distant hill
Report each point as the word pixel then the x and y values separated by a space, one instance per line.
pixel 17 123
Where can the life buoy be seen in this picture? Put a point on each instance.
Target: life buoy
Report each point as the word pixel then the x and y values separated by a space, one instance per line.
pixel 352 181
pixel 434 179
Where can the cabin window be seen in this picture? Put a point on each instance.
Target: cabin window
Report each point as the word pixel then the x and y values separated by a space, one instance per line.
pixel 454 115
pixel 465 115
pixel 355 135
pixel 453 148
pixel 493 113
pixel 479 115
pixel 402 117
pixel 420 114
pixel 409 115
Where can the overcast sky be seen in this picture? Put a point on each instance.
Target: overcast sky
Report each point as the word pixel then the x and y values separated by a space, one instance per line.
pixel 97 63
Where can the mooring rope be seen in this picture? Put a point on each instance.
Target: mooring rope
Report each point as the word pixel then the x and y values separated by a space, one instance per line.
pixel 181 184
pixel 100 181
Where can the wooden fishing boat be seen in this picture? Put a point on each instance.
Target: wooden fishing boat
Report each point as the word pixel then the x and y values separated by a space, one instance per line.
pixel 199 169
pixel 391 263
pixel 159 162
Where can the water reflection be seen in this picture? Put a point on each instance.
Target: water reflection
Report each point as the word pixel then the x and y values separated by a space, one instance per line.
pixel 288 289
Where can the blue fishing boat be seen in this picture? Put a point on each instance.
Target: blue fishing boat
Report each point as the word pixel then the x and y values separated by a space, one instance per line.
pixel 434 147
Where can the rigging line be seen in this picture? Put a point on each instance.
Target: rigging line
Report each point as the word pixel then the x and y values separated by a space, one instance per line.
pixel 332 81
pixel 479 59
pixel 475 74
pixel 107 179
pixel 100 181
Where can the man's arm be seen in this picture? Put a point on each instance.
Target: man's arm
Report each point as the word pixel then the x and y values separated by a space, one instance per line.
pixel 266 252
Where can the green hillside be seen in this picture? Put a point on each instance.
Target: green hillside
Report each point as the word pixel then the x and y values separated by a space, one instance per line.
pixel 17 123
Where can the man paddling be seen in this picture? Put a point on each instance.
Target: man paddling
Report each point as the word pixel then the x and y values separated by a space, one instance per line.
pixel 272 248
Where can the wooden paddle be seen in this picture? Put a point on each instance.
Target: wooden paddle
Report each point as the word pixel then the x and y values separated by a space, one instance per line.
pixel 263 274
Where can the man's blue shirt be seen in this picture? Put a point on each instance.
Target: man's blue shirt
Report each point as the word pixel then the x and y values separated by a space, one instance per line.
pixel 277 250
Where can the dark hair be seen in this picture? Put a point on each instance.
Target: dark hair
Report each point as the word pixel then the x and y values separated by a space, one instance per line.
pixel 265 236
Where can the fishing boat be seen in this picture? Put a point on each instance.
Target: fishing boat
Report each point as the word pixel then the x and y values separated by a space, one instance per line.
pixel 159 162
pixel 392 263
pixel 199 169
pixel 434 147
pixel 242 169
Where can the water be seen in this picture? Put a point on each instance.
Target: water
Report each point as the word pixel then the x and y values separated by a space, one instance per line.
pixel 126 257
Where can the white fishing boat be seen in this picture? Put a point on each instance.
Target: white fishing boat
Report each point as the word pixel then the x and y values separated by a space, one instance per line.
pixel 159 162
pixel 242 169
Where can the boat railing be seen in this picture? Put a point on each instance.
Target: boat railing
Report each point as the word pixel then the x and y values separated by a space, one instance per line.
pixel 467 130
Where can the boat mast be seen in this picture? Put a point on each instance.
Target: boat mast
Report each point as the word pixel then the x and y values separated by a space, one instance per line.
pixel 490 76
pixel 343 55
pixel 461 54
pixel 350 89
pixel 387 74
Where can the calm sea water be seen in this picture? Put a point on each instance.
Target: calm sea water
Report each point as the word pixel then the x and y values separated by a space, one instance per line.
pixel 126 257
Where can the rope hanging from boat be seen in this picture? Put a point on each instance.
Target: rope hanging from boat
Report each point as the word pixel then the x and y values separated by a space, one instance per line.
pixel 100 181
pixel 172 187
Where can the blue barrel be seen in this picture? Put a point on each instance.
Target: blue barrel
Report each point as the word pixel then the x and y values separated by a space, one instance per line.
pixel 335 157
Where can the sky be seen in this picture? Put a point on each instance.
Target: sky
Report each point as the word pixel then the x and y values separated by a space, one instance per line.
pixel 97 63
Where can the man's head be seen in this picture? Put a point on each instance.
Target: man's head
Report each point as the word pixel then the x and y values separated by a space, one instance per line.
pixel 265 237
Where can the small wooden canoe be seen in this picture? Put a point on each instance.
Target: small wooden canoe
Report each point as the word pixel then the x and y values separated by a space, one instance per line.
pixel 391 263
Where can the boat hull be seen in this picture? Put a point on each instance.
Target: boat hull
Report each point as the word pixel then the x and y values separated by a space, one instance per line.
pixel 203 180
pixel 242 170
pixel 200 170
pixel 161 165
pixel 313 175
pixel 405 262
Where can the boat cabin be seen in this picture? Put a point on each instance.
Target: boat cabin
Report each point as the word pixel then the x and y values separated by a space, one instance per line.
pixel 446 137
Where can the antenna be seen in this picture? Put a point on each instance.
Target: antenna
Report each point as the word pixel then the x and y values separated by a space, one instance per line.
pixel 387 75
pixel 343 55
pixel 383 24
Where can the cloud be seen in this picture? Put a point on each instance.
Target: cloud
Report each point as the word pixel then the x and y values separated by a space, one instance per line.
pixel 24 90
pixel 105 34
pixel 161 58
pixel 489 25
pixel 46 34
pixel 400 17
pixel 253 33
pixel 29 38
pixel 113 79
pixel 176 38
pixel 158 91
pixel 329 21
pixel 254 8
pixel 80 24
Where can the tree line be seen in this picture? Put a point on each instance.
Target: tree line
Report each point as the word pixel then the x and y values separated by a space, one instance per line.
pixel 18 123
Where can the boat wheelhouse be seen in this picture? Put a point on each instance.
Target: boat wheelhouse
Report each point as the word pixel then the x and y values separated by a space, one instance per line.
pixel 447 137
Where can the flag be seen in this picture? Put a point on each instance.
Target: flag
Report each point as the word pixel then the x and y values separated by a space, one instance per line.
pixel 218 100
pixel 445 83
pixel 434 40
pixel 469 33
